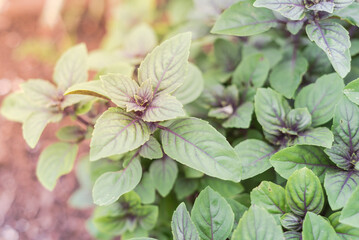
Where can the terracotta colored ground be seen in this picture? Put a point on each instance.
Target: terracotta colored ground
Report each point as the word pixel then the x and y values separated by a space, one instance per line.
pixel 27 210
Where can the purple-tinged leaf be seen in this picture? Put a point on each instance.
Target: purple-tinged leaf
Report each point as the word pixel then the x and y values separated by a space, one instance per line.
pixel 298 119
pixel 166 65
pixel 290 159
pixel 271 109
pixel 163 107
pixel 321 136
pixel 151 149
pixel 345 151
pixel 120 88
pixel 197 144
pixel 334 39
pixel 350 213
pixel 339 4
pixel 339 186
pixel 254 155
pixel 326 6
pixel 292 9
pixel 182 225
pixel 117 132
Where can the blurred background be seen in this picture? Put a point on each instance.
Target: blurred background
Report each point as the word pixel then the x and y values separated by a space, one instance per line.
pixel 32 35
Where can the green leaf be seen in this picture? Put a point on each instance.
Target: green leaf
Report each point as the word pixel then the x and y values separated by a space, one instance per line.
pixel 345 128
pixel 292 9
pixel 227 53
pixel 192 86
pixel 344 231
pixel 271 109
pixel 15 107
pixel 350 212
pixel 294 26
pixel 212 215
pixel 197 144
pixel 317 228
pixel 146 189
pixel 320 97
pixel 270 196
pixel 35 124
pixel 117 132
pixel 147 216
pixel 298 119
pixel 352 91
pixel 349 13
pixel 291 221
pixel 224 188
pixel 242 19
pixel 334 39
pixel 182 225
pixel 92 88
pixel 254 155
pixel 184 187
pixel 71 68
pixel 321 136
pixel 339 186
pixel 288 160
pixel 40 92
pixel 258 224
pixel 238 210
pixel 166 65
pixel 163 107
pixel 54 161
pixel 110 186
pixel 241 118
pixel 151 149
pixel 339 4
pixel 251 74
pixel 291 235
pixel 304 192
pixel 287 75
pixel 120 88
pixel 71 134
pixel 164 173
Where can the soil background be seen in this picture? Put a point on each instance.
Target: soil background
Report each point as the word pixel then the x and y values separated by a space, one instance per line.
pixel 27 210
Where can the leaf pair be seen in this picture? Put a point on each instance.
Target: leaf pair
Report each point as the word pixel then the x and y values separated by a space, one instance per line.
pixel 41 102
pixel 284 126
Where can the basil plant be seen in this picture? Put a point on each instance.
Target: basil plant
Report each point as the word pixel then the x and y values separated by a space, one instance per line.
pixel 211 120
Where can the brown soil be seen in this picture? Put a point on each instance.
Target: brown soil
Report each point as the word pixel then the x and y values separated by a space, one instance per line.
pixel 27 210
